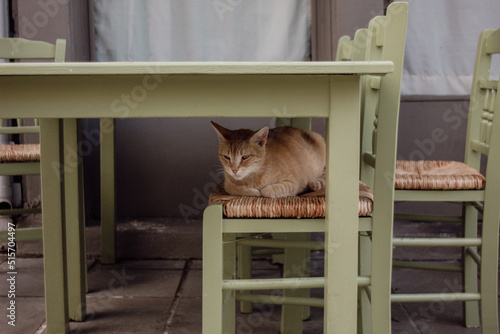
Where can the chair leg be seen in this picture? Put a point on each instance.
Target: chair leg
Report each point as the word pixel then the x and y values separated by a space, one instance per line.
pixel 489 266
pixel 297 263
pixel 212 308
pixel 245 271
pixel 228 296
pixel 471 308
pixel 381 273
pixel 306 272
pixel 364 308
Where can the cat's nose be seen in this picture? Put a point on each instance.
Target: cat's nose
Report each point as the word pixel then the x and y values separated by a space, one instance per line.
pixel 235 171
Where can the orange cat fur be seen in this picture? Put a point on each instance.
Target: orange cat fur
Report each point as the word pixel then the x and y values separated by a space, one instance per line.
pixel 278 162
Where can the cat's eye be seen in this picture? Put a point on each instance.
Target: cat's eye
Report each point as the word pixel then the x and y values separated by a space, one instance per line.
pixel 227 157
pixel 245 157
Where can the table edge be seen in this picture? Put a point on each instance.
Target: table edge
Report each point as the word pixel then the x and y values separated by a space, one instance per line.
pixel 185 68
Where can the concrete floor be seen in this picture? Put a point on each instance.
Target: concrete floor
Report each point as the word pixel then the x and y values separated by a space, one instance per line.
pixel 155 287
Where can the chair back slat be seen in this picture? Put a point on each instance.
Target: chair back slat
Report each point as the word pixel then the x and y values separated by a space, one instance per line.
pixel 483 99
pixel 10 130
pixel 488 84
pixel 359 44
pixel 19 126
pixel 344 49
pixel 373 51
pixel 380 34
pixel 20 48
pixel 352 49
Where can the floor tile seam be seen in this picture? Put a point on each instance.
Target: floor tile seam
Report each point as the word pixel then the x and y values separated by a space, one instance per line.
pixel 142 269
pixel 183 259
pixel 410 320
pixel 132 297
pixel 92 265
pixel 177 298
pixel 42 328
pixel 428 260
pixel 21 270
pixel 18 296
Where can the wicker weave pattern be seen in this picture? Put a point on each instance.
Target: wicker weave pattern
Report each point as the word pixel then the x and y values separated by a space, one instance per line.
pixel 437 175
pixel 309 205
pixel 20 153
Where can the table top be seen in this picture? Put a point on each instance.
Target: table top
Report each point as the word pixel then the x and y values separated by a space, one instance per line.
pixel 117 68
pixel 176 89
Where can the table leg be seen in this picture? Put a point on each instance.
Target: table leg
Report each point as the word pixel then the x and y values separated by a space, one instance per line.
pixel 341 237
pixel 108 229
pixel 54 239
pixel 75 222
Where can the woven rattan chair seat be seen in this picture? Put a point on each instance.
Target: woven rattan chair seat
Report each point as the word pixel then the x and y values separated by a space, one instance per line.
pixel 20 153
pixel 308 205
pixel 437 175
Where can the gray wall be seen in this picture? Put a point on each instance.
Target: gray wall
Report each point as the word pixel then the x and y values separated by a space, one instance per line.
pixel 164 167
pixel 433 130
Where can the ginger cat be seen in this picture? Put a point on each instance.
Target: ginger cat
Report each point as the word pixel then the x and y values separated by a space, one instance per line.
pixel 278 162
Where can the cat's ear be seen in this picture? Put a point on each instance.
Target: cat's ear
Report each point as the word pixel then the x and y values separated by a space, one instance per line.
pixel 221 131
pixel 260 137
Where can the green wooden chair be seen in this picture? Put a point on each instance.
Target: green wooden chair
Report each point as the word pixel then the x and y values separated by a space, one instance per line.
pixel 24 159
pixel 223 218
pixel 345 52
pixel 451 181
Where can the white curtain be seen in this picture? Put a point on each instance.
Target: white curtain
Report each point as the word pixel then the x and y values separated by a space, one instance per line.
pixel 206 30
pixel 441 44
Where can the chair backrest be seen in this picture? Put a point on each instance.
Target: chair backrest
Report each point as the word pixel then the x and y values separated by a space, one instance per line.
pixel 483 102
pixel 20 48
pixel 385 40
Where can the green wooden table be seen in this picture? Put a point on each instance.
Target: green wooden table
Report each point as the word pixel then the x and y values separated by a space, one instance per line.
pixel 59 94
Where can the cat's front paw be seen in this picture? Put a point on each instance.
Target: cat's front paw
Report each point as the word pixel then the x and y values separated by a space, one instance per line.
pixel 252 192
pixel 275 191
pixel 245 192
pixel 237 190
